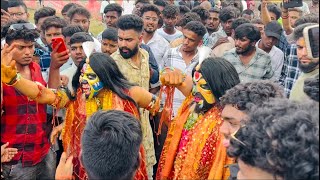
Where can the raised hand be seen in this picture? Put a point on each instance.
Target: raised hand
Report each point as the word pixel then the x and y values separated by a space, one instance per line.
pixel 58 59
pixel 5 17
pixel 8 65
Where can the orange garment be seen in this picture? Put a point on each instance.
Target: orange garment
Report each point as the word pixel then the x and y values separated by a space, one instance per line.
pixel 79 111
pixel 194 152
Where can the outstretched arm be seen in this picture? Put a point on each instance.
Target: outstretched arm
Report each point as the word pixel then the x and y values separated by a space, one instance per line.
pixel 145 99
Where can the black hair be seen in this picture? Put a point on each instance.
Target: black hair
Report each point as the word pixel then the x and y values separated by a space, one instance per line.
pixel 184 9
pixel 25 34
pixel 248 30
pixel 248 12
pixel 113 7
pixel 202 12
pixel 196 27
pixel 188 17
pixel 233 3
pixel 160 3
pixel 281 137
pixel 142 1
pixel 150 7
pixel 43 12
pixel 309 18
pixel 15 3
pixel 257 21
pixel 272 8
pixel 108 72
pixel 298 31
pixel 109 139
pixel 79 10
pixel 311 88
pixel 130 21
pixel 228 12
pixel 69 6
pixel 110 34
pixel 215 10
pixel 80 37
pixel 246 95
pixel 170 11
pixel 220 75
pixel 237 22
pixel 71 29
pixel 53 21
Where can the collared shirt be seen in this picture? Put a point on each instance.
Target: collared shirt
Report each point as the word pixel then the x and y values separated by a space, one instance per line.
pixel 24 123
pixel 290 70
pixel 169 37
pixel 159 47
pixel 214 37
pixel 258 68
pixel 173 58
pixel 277 58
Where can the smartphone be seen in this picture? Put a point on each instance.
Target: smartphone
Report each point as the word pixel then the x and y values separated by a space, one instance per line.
pixel 4 5
pixel 55 41
pixel 292 4
pixel 311 36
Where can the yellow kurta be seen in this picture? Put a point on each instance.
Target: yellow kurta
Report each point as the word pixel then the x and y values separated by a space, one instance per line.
pixel 140 76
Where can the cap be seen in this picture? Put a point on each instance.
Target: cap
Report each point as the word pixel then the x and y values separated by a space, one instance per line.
pixel 273 29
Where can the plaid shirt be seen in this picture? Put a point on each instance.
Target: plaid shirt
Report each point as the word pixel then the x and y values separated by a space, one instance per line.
pixel 283 42
pixel 24 125
pixel 290 70
pixel 258 68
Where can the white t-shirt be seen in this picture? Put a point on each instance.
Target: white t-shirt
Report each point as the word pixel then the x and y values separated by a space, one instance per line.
pixel 169 37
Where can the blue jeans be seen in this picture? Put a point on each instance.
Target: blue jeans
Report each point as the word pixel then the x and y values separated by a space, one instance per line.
pixel 46 169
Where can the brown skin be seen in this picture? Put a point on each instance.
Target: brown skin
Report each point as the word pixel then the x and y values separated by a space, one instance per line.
pixel 241 46
pixel 109 46
pixel 302 53
pixel 170 23
pixel 111 18
pixel 189 47
pixel 150 25
pixel 129 39
pixel 267 42
pixel 212 23
pixel 77 53
pixel 18 13
pixel 81 20
pixel 227 26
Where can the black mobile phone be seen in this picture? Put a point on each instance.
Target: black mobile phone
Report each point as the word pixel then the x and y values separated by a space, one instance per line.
pixel 292 4
pixel 311 36
pixel 4 5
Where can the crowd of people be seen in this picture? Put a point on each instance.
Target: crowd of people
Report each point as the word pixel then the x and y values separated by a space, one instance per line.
pixel 185 89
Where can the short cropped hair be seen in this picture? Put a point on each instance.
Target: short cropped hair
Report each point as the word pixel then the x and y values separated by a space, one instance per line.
pixel 215 10
pixel 110 34
pixel 281 137
pixel 237 22
pixel 80 37
pixel 311 88
pixel 170 11
pixel 188 17
pixel 150 7
pixel 71 29
pixel 248 30
pixel 68 7
pixel 309 18
pixel 43 12
pixel 298 31
pixel 228 12
pixel 161 3
pixel 15 3
pixel 110 145
pixel 202 12
pixel 79 10
pixel 53 21
pixel 183 9
pixel 142 1
pixel 246 95
pixel 130 21
pixel 196 27
pixel 113 7
pixel 25 34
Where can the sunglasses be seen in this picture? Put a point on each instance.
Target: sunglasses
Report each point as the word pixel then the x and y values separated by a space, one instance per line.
pixel 21 26
pixel 233 136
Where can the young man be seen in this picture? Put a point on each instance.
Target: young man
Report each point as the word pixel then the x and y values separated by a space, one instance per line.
pixel 17 10
pixel 213 27
pixel 138 5
pixel 202 12
pixel 160 4
pixel 109 42
pixel 39 16
pixel 268 41
pixel 309 67
pixel 250 62
pixel 259 24
pixel 133 62
pixel 150 16
pixel 114 128
pixel 185 57
pixel 24 123
pixel 66 8
pixel 81 16
pixel 170 17
pixel 112 12
pixel 248 14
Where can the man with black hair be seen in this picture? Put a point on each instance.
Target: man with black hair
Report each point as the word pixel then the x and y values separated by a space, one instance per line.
pixel 138 5
pixel 66 8
pixel 248 14
pixel 279 141
pixel 133 62
pixel 251 63
pixel 213 27
pixel 81 16
pixel 309 67
pixel 109 42
pixel 183 10
pixel 112 12
pixel 170 17
pixel 160 4
pixel 114 128
pixel 202 12
pixel 18 10
pixel 39 16
pixel 185 57
pixel 24 123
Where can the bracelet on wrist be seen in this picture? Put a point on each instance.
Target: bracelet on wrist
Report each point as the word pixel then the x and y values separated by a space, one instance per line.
pixel 15 80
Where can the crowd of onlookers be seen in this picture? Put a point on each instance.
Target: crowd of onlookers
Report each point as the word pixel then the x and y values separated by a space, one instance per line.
pixel 269 117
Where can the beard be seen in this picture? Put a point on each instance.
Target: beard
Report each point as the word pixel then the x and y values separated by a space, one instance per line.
pixel 130 52
pixel 245 51
pixel 306 68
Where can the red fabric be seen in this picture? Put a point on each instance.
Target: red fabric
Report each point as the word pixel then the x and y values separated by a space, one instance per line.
pixel 24 124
